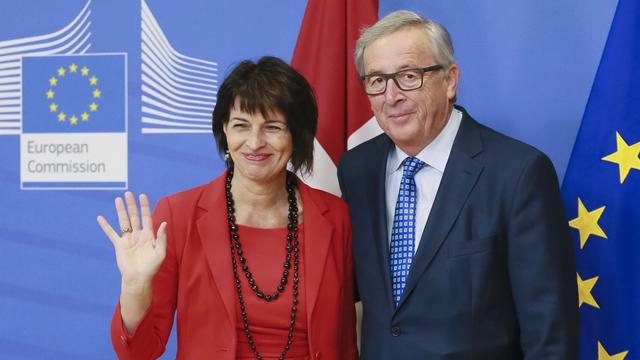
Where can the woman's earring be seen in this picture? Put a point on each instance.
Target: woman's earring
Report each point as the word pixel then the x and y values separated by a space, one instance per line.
pixel 227 158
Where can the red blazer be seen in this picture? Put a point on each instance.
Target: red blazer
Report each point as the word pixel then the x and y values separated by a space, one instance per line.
pixel 196 280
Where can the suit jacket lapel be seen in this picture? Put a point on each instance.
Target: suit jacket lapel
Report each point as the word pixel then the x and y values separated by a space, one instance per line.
pixel 459 178
pixel 213 230
pixel 318 235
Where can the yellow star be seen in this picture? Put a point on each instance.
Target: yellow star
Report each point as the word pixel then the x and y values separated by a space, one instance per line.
pixel 61 71
pixel 73 68
pixel 84 71
pixel 587 223
pixel 93 107
pixel 584 291
pixel 604 355
pixel 93 80
pixel 62 116
pixel 53 107
pixel 73 120
pixel 53 81
pixel 626 157
pixel 85 116
pixel 50 94
pixel 96 93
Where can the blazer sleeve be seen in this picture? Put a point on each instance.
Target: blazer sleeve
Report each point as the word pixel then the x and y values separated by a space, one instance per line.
pixel 541 265
pixel 150 337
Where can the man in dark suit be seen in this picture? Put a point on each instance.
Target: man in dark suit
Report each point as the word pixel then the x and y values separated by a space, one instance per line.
pixel 460 244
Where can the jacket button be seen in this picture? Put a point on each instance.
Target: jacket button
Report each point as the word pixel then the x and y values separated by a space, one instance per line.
pixel 395 331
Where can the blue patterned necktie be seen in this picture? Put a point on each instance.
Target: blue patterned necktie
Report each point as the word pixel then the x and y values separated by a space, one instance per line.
pixel 404 228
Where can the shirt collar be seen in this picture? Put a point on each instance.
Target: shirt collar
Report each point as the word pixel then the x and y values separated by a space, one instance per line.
pixel 436 153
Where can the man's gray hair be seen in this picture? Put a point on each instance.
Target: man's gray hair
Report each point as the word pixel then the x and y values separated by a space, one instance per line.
pixel 437 35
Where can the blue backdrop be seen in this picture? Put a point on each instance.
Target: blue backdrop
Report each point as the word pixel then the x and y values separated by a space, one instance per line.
pixel 527 70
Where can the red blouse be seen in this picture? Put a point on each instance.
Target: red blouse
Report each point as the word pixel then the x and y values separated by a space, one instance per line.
pixel 265 252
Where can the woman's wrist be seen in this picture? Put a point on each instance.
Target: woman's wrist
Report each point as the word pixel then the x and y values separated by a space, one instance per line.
pixel 134 286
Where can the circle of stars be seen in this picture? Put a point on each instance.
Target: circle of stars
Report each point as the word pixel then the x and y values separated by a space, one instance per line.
pixel 61 74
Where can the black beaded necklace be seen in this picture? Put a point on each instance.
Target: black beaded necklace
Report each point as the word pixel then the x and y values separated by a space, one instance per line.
pixel 291 247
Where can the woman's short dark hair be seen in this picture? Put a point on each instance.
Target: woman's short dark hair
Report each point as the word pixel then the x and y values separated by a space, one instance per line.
pixel 270 84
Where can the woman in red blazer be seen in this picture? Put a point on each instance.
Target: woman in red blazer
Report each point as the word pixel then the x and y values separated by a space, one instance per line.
pixel 256 264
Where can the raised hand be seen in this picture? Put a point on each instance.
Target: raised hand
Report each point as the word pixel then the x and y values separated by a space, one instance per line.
pixel 139 252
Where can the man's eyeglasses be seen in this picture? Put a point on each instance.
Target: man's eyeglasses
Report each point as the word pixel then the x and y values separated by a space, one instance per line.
pixel 407 79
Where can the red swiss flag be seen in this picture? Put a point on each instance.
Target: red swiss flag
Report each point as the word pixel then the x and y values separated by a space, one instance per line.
pixel 324 55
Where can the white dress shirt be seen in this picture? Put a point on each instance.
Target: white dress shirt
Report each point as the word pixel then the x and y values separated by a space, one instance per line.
pixel 435 156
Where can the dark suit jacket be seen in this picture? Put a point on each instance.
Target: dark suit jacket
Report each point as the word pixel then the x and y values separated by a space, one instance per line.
pixel 196 279
pixel 494 275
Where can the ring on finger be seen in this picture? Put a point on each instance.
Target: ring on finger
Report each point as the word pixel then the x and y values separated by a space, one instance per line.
pixel 126 229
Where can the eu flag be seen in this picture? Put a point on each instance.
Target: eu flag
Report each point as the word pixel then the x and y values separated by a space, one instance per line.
pixel 74 94
pixel 601 192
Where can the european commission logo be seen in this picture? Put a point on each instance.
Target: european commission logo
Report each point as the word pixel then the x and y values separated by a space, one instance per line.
pixel 68 107
pixel 70 94
pixel 74 122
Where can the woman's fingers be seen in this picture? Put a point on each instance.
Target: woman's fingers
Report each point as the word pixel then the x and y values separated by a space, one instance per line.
pixel 108 230
pixel 145 209
pixel 132 209
pixel 161 237
pixel 123 217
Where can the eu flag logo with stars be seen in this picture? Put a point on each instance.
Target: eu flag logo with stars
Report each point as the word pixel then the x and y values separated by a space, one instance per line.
pixel 74 93
pixel 601 193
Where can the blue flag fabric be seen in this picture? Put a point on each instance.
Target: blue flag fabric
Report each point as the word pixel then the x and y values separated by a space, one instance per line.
pixel 601 193
pixel 74 93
